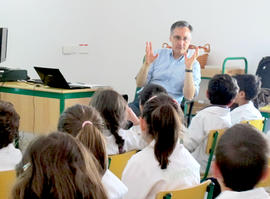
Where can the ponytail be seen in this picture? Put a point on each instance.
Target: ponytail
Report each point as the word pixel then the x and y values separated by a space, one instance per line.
pixel 163 123
pixel 93 140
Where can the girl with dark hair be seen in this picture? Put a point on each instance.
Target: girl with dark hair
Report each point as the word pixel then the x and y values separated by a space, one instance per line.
pixel 85 123
pixel 58 166
pixel 165 163
pixel 115 112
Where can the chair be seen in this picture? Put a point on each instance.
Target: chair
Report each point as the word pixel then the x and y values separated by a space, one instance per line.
pixel 213 137
pixel 194 192
pixel 258 124
pixel 266 181
pixel 7 179
pixel 118 162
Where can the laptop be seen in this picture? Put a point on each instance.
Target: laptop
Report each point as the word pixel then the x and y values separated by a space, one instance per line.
pixel 53 77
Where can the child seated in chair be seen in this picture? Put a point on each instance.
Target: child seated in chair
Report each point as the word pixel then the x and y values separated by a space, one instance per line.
pixel 147 92
pixel 9 127
pixel 164 164
pixel 249 86
pixel 241 162
pixel 86 124
pixel 221 92
pixel 114 110
pixel 58 166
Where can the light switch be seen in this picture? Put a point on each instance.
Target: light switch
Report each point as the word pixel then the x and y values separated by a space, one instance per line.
pixel 69 50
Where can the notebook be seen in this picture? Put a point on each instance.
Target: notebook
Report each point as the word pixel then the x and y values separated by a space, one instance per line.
pixel 53 77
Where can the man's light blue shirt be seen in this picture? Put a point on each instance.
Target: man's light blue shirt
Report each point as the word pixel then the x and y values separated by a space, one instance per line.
pixel 170 73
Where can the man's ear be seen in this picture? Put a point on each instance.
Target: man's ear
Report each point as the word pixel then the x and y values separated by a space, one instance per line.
pixel 143 124
pixel 216 171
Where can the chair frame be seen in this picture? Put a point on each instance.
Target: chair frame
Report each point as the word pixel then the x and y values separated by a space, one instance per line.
pixel 209 187
pixel 213 138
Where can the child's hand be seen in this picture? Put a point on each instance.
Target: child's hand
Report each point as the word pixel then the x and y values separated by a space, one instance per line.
pixel 131 116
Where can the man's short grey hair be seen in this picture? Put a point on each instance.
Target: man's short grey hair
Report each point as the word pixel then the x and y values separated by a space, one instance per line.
pixel 181 24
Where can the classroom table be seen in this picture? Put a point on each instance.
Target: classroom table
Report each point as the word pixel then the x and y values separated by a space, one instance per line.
pixel 40 106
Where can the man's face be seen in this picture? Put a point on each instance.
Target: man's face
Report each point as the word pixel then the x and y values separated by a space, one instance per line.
pixel 180 39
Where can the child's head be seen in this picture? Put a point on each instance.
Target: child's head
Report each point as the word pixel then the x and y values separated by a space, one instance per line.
pixel 58 166
pixel 85 123
pixel 222 89
pixel 241 157
pixel 9 123
pixel 249 86
pixel 149 91
pixel 112 107
pixel 162 121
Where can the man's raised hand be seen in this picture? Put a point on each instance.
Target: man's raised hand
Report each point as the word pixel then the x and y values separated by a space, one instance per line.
pixel 149 55
pixel 189 61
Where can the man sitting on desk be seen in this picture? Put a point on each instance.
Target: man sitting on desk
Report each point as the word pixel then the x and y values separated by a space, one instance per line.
pixel 176 69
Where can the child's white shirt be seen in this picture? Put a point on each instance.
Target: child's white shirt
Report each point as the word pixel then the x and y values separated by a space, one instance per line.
pixel 245 112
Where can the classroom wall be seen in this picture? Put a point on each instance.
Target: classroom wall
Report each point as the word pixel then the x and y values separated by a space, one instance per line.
pixel 116 31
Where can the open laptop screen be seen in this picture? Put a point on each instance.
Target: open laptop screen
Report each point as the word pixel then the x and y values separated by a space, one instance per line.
pixel 52 77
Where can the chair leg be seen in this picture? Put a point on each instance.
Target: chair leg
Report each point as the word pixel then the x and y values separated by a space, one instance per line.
pixel 189 116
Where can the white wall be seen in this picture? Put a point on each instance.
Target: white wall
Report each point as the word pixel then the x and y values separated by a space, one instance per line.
pixel 116 32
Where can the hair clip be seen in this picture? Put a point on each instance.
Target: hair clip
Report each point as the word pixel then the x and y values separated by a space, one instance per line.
pixel 175 101
pixel 26 166
pixel 86 122
pixel 153 97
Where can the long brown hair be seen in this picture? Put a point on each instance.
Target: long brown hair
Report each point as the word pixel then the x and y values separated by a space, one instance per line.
pixel 162 115
pixel 58 166
pixel 72 121
pixel 112 108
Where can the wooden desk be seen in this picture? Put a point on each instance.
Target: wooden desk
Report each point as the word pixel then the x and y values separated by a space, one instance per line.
pixel 40 106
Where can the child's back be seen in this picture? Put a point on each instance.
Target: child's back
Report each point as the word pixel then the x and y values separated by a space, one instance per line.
pixel 222 89
pixel 241 162
pixel 249 86
pixel 165 163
